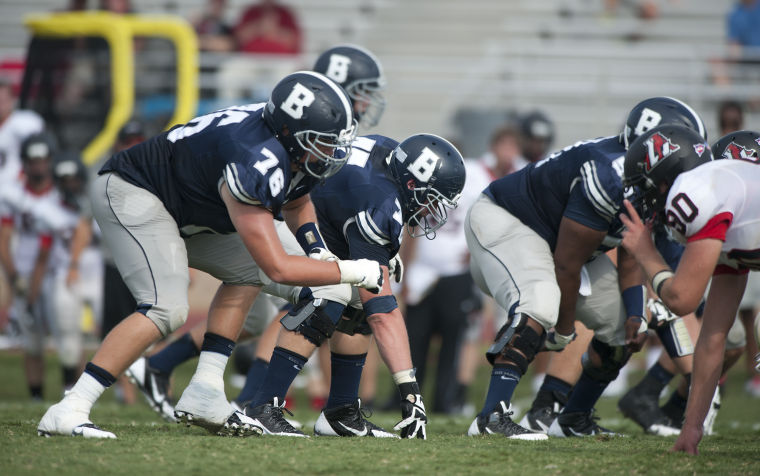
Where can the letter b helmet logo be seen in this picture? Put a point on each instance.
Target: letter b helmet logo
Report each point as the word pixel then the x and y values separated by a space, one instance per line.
pixel 338 68
pixel 299 98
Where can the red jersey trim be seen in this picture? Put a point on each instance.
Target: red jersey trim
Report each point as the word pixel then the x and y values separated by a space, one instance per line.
pixel 715 228
pixel 6 221
pixel 724 269
pixel 46 241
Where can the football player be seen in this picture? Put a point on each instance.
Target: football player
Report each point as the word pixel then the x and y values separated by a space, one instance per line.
pixel 537 240
pixel 15 126
pixel 706 205
pixel 362 212
pixel 205 194
pixel 24 254
pixel 360 73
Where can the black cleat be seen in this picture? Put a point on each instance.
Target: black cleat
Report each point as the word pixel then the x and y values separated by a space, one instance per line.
pixel 269 417
pixel 154 386
pixel 546 406
pixel 578 424
pixel 349 420
pixel 499 421
pixel 645 411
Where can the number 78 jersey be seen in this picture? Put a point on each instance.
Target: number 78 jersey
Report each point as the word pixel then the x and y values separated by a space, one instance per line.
pixel 719 200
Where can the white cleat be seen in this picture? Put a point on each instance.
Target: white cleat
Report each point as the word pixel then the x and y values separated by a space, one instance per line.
pixel 64 419
pixel 203 405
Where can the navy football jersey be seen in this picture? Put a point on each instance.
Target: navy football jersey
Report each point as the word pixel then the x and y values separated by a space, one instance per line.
pixel 358 209
pixel 582 182
pixel 185 168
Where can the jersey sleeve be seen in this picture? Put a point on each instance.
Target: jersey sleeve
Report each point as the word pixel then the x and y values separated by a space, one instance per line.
pixel 377 229
pixel 257 177
pixel 596 197
pixel 693 213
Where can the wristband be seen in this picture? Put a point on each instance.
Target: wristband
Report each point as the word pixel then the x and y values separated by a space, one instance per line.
pixel 405 376
pixel 633 300
pixel 309 238
pixel 659 279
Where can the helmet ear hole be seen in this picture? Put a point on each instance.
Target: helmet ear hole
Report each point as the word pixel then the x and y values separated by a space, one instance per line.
pixel 410 184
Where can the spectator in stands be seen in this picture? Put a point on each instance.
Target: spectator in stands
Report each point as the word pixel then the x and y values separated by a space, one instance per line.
pixel 538 134
pixel 730 117
pixel 214 34
pixel 742 24
pixel 117 6
pixel 270 28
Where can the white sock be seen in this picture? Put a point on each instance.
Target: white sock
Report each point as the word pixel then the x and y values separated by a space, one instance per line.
pixel 86 392
pixel 211 368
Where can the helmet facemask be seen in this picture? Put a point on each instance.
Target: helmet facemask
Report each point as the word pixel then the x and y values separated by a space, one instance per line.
pixel 431 211
pixel 313 143
pixel 369 94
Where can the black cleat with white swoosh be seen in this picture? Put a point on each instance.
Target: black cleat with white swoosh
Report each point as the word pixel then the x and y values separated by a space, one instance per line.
pixel 578 424
pixel 348 420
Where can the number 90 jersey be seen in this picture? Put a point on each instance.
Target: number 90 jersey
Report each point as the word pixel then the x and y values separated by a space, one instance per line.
pixel 359 209
pixel 186 166
pixel 719 200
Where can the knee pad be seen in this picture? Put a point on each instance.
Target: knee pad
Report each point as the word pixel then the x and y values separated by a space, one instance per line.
pixel 675 337
pixel 354 321
pixel 309 319
pixel 613 359
pixel 737 336
pixel 516 341
pixel 167 319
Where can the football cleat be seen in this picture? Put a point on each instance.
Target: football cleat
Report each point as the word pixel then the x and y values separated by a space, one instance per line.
pixel 500 422
pixel 269 417
pixel 578 424
pixel 65 419
pixel 154 386
pixel 204 405
pixel 349 419
pixel 645 411
pixel 544 410
pixel 712 413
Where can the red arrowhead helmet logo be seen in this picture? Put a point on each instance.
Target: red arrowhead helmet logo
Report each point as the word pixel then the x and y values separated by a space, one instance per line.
pixel 658 147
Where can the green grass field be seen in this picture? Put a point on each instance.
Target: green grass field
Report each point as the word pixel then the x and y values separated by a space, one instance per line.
pixel 148 446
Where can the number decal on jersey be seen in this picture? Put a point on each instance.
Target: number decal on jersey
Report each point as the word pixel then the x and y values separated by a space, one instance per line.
pixel 277 179
pixel 228 116
pixel 687 212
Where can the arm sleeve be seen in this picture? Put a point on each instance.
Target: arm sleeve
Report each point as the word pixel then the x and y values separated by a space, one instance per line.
pixel 595 200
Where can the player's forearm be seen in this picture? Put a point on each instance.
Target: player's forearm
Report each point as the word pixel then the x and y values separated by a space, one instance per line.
pixel 82 238
pixel 569 283
pixel 708 359
pixel 392 340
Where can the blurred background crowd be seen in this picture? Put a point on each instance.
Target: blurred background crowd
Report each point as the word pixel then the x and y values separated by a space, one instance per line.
pixel 506 80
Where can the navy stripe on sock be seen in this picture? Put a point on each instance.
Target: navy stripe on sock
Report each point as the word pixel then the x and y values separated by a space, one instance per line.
pixel 100 374
pixel 216 343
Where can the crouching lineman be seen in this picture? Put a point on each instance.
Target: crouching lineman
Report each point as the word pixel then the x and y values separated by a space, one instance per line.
pixel 362 212
pixel 707 205
pixel 530 235
pixel 205 194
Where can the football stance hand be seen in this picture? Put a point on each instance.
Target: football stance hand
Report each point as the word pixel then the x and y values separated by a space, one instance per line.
pixel 659 312
pixel 322 254
pixel 688 440
pixel 635 333
pixel 364 273
pixel 413 417
pixel 556 342
pixel 396 268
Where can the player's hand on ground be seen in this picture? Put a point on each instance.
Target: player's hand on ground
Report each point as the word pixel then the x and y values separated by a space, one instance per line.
pixel 635 333
pixel 688 440
pixel 414 418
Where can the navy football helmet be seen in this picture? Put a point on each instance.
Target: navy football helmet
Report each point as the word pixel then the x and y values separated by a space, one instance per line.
pixel 430 172
pixel 740 145
pixel 312 118
pixel 658 111
pixel 360 74
pixel 656 158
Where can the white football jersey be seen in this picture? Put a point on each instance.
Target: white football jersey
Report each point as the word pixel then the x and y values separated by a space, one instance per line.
pixel 719 199
pixel 17 204
pixel 58 221
pixel 17 127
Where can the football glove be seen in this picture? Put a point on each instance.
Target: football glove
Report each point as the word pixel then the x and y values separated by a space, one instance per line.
pixel 757 362
pixel 396 268
pixel 322 254
pixel 556 342
pixel 363 273
pixel 659 312
pixel 413 417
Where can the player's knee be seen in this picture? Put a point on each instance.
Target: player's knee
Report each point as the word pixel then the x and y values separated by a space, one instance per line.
pixel 167 318
pixel 516 343
pixel 544 305
pixel 340 293
pixel 607 362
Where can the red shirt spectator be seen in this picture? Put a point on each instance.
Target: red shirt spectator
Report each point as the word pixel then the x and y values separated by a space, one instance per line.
pixel 268 28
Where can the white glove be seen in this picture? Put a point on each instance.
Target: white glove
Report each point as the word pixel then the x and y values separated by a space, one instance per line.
pixel 659 312
pixel 396 268
pixel 363 273
pixel 557 342
pixel 322 254
pixel 20 286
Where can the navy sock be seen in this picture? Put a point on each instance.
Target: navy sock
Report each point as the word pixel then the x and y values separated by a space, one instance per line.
pixel 253 380
pixel 283 368
pixel 552 389
pixel 346 373
pixel 676 400
pixel 554 384
pixel 504 379
pixel 100 374
pixel 216 343
pixel 172 355
pixel 585 394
